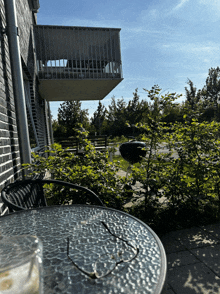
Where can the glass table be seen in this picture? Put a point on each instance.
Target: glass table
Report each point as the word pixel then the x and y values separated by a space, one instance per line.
pixel 92 249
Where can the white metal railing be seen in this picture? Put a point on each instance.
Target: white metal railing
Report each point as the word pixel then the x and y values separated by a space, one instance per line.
pixel 78 52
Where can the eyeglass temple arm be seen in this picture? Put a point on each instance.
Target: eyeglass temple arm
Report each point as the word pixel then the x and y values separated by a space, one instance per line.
pixel 92 275
pixel 126 241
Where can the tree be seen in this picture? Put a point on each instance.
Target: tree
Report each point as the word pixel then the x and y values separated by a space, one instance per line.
pixel 58 130
pixel 173 113
pixel 99 117
pixel 192 96
pixel 205 101
pixel 136 110
pixel 197 105
pixel 120 114
pixel 70 115
pixel 211 91
pixel 116 117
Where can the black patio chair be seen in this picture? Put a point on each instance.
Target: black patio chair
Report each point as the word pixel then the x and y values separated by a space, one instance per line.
pixel 29 194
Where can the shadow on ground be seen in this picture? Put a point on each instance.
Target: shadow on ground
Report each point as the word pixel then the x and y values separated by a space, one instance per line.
pixel 193 257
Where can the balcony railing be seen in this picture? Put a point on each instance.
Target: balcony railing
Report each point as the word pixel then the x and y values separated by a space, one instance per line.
pixel 77 63
pixel 78 52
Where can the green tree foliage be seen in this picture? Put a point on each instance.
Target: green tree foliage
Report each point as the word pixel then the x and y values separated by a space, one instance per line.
pixel 211 93
pixel 98 120
pixel 195 163
pixel 173 113
pixel 205 101
pixel 122 117
pixel 58 130
pixel 116 117
pixel 211 90
pixel 181 167
pixel 156 134
pixel 69 115
pixel 136 110
pixel 180 175
pixel 192 96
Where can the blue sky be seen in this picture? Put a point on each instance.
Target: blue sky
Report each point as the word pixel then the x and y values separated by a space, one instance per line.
pixel 164 42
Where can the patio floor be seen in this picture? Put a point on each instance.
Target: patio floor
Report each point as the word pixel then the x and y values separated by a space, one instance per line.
pixel 193 257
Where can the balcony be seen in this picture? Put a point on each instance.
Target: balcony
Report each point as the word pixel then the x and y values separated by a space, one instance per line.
pixel 77 63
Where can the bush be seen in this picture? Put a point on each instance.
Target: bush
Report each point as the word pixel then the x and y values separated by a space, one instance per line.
pixel 91 169
pixel 180 187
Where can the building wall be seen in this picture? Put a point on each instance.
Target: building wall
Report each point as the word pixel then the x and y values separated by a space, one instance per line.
pixel 9 146
pixel 10 161
pixel 26 20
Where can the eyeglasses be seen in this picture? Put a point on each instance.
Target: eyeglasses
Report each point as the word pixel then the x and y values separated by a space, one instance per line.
pixel 106 263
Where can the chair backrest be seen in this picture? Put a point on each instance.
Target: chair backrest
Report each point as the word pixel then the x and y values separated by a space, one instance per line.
pixel 72 193
pixel 23 195
pixel 29 194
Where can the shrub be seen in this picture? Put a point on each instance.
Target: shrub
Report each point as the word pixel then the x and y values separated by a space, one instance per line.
pixel 91 169
pixel 180 174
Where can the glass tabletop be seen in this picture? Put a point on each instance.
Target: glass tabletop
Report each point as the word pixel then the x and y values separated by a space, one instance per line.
pixel 92 249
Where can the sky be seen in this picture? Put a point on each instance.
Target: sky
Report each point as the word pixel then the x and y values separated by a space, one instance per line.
pixel 163 42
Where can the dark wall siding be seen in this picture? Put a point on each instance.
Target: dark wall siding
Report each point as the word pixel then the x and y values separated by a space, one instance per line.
pixel 25 28
pixel 26 19
pixel 10 164
pixel 9 148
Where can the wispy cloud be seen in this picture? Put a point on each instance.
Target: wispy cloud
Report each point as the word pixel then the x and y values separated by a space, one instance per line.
pixel 181 3
pixel 212 8
pixel 213 3
pixel 209 48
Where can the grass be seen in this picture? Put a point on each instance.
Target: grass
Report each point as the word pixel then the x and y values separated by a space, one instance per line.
pixel 123 163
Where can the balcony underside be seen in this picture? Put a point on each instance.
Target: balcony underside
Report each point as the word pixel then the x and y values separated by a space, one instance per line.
pixel 81 89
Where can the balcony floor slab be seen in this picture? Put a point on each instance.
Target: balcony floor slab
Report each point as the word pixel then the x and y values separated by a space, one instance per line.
pixel 73 90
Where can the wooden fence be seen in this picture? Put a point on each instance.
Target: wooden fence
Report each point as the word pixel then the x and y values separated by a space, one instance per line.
pixel 72 144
